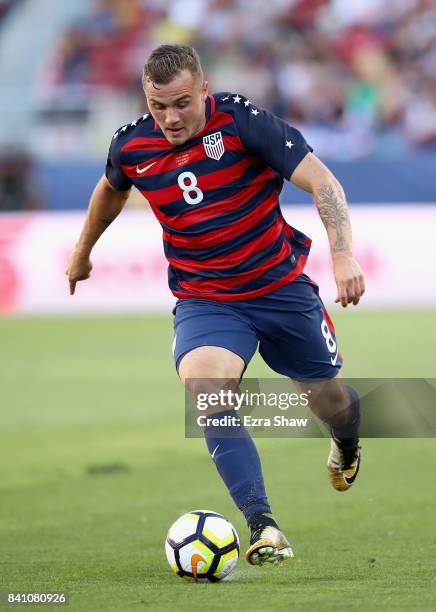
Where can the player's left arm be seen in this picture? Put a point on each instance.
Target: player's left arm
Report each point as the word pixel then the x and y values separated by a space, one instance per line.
pixel 313 176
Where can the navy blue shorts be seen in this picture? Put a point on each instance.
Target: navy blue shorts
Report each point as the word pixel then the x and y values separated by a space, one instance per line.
pixel 295 335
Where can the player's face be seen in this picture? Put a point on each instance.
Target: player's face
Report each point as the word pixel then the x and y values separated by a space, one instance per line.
pixel 179 106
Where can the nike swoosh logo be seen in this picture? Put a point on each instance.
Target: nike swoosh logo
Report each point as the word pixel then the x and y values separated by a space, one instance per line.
pixel 214 451
pixel 350 479
pixel 142 170
pixel 335 358
pixel 195 560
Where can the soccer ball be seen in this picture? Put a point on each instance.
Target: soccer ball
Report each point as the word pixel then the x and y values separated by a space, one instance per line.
pixel 202 546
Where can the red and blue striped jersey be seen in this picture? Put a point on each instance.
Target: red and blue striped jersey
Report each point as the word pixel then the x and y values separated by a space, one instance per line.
pixel 217 198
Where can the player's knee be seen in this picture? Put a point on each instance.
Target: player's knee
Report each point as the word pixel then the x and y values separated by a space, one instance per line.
pixel 216 388
pixel 212 393
pixel 337 407
pixel 211 373
pixel 201 366
pixel 208 381
pixel 332 405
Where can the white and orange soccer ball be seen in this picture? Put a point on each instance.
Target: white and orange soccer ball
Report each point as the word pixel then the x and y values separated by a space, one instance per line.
pixel 202 546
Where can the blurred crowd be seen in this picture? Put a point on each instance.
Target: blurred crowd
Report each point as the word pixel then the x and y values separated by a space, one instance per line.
pixel 19 186
pixel 355 65
pixel 5 5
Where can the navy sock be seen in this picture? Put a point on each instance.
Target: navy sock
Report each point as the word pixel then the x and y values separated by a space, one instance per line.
pixel 237 461
pixel 350 429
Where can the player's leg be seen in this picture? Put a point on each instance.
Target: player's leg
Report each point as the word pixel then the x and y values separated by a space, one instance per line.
pixel 206 368
pixel 338 405
pixel 297 339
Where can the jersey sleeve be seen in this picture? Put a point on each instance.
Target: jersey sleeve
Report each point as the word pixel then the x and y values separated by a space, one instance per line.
pixel 113 172
pixel 279 145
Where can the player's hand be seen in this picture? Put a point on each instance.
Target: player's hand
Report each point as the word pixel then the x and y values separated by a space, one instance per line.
pixel 349 279
pixel 79 268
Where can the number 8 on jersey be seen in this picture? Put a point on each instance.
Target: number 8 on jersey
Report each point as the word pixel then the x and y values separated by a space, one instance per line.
pixel 188 184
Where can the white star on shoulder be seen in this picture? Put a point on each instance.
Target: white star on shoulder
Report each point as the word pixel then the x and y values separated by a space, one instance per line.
pixel 145 116
pixel 115 135
pixel 124 128
pixel 254 111
pixel 133 123
pixel 247 102
pixel 224 99
pixel 237 99
pixel 289 144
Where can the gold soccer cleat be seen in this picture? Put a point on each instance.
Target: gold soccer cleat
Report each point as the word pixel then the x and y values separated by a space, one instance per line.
pixel 268 545
pixel 343 463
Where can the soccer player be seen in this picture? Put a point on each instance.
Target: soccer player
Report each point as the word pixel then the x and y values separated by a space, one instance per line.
pixel 212 168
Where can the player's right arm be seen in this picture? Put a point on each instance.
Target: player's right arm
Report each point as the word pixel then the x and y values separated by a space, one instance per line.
pixel 105 205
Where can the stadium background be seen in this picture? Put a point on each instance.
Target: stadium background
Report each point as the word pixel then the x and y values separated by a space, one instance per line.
pixel 91 409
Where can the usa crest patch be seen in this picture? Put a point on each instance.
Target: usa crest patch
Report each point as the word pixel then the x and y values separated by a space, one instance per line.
pixel 214 145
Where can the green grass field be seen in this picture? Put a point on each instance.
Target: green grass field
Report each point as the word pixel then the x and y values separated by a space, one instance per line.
pixel 95 467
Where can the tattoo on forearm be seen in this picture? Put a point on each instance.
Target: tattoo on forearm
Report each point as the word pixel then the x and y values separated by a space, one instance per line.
pixel 333 211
